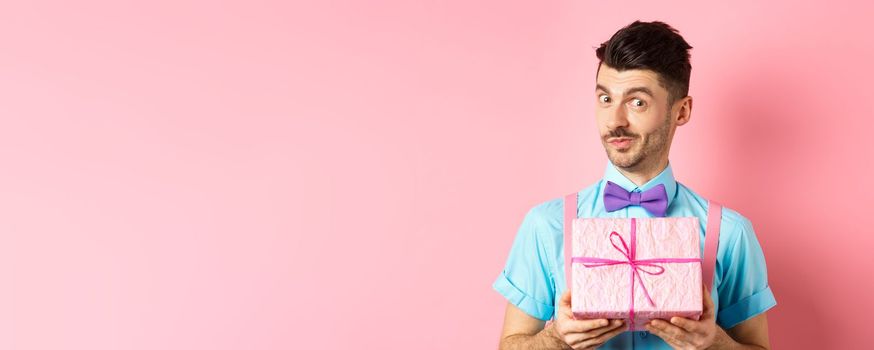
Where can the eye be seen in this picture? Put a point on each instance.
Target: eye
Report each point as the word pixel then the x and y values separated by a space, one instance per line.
pixel 638 102
pixel 604 98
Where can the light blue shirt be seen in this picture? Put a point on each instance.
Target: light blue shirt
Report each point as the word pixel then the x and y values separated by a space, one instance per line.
pixel 533 278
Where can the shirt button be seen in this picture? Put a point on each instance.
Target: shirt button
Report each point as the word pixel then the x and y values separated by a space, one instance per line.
pixel 644 334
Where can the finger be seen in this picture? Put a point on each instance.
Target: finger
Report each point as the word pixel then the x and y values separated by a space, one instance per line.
pixel 661 334
pixel 564 305
pixel 597 332
pixel 582 326
pixel 667 331
pixel 687 324
pixel 577 338
pixel 604 337
pixel 566 298
pixel 708 303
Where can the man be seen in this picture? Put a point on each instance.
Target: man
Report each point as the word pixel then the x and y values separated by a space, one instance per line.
pixel 641 98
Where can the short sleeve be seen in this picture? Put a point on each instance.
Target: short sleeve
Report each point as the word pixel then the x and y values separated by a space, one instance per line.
pixel 526 281
pixel 743 290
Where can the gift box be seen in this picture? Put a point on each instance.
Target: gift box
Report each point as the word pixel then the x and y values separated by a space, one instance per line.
pixel 636 269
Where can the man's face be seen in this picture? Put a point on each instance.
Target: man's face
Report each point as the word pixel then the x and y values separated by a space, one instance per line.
pixel 633 117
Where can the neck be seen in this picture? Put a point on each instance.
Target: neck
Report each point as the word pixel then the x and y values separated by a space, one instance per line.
pixel 644 172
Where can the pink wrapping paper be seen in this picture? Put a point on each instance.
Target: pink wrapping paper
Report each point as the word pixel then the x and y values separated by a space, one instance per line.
pixel 605 291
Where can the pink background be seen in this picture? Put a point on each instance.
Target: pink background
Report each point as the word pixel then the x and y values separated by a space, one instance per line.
pixel 259 175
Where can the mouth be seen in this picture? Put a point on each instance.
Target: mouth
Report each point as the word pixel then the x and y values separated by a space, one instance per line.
pixel 620 142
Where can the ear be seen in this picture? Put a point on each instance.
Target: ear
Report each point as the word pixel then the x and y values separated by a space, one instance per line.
pixel 684 110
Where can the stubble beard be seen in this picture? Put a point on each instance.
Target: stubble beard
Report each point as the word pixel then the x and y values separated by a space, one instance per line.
pixel 650 147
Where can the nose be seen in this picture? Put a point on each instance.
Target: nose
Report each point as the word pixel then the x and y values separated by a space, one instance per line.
pixel 617 118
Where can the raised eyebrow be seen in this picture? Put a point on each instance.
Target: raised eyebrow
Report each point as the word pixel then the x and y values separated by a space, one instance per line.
pixel 630 91
pixel 602 88
pixel 642 89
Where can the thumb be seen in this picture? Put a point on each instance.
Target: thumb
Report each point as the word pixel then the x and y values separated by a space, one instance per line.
pixel 708 302
pixel 564 306
pixel 566 300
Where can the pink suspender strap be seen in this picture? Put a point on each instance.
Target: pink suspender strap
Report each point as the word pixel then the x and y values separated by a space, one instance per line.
pixel 711 243
pixel 570 213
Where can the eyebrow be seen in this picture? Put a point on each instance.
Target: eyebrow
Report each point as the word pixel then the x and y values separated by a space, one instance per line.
pixel 630 91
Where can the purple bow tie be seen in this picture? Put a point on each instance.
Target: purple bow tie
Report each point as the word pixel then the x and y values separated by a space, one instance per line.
pixel 654 200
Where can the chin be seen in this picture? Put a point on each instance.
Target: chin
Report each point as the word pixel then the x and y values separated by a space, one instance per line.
pixel 623 160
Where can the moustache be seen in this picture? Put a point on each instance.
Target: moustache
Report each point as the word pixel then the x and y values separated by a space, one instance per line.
pixel 620 133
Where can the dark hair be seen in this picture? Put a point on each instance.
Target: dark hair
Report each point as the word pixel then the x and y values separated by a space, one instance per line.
pixel 655 46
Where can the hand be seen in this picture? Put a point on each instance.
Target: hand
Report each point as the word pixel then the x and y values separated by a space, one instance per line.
pixel 684 333
pixel 583 334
